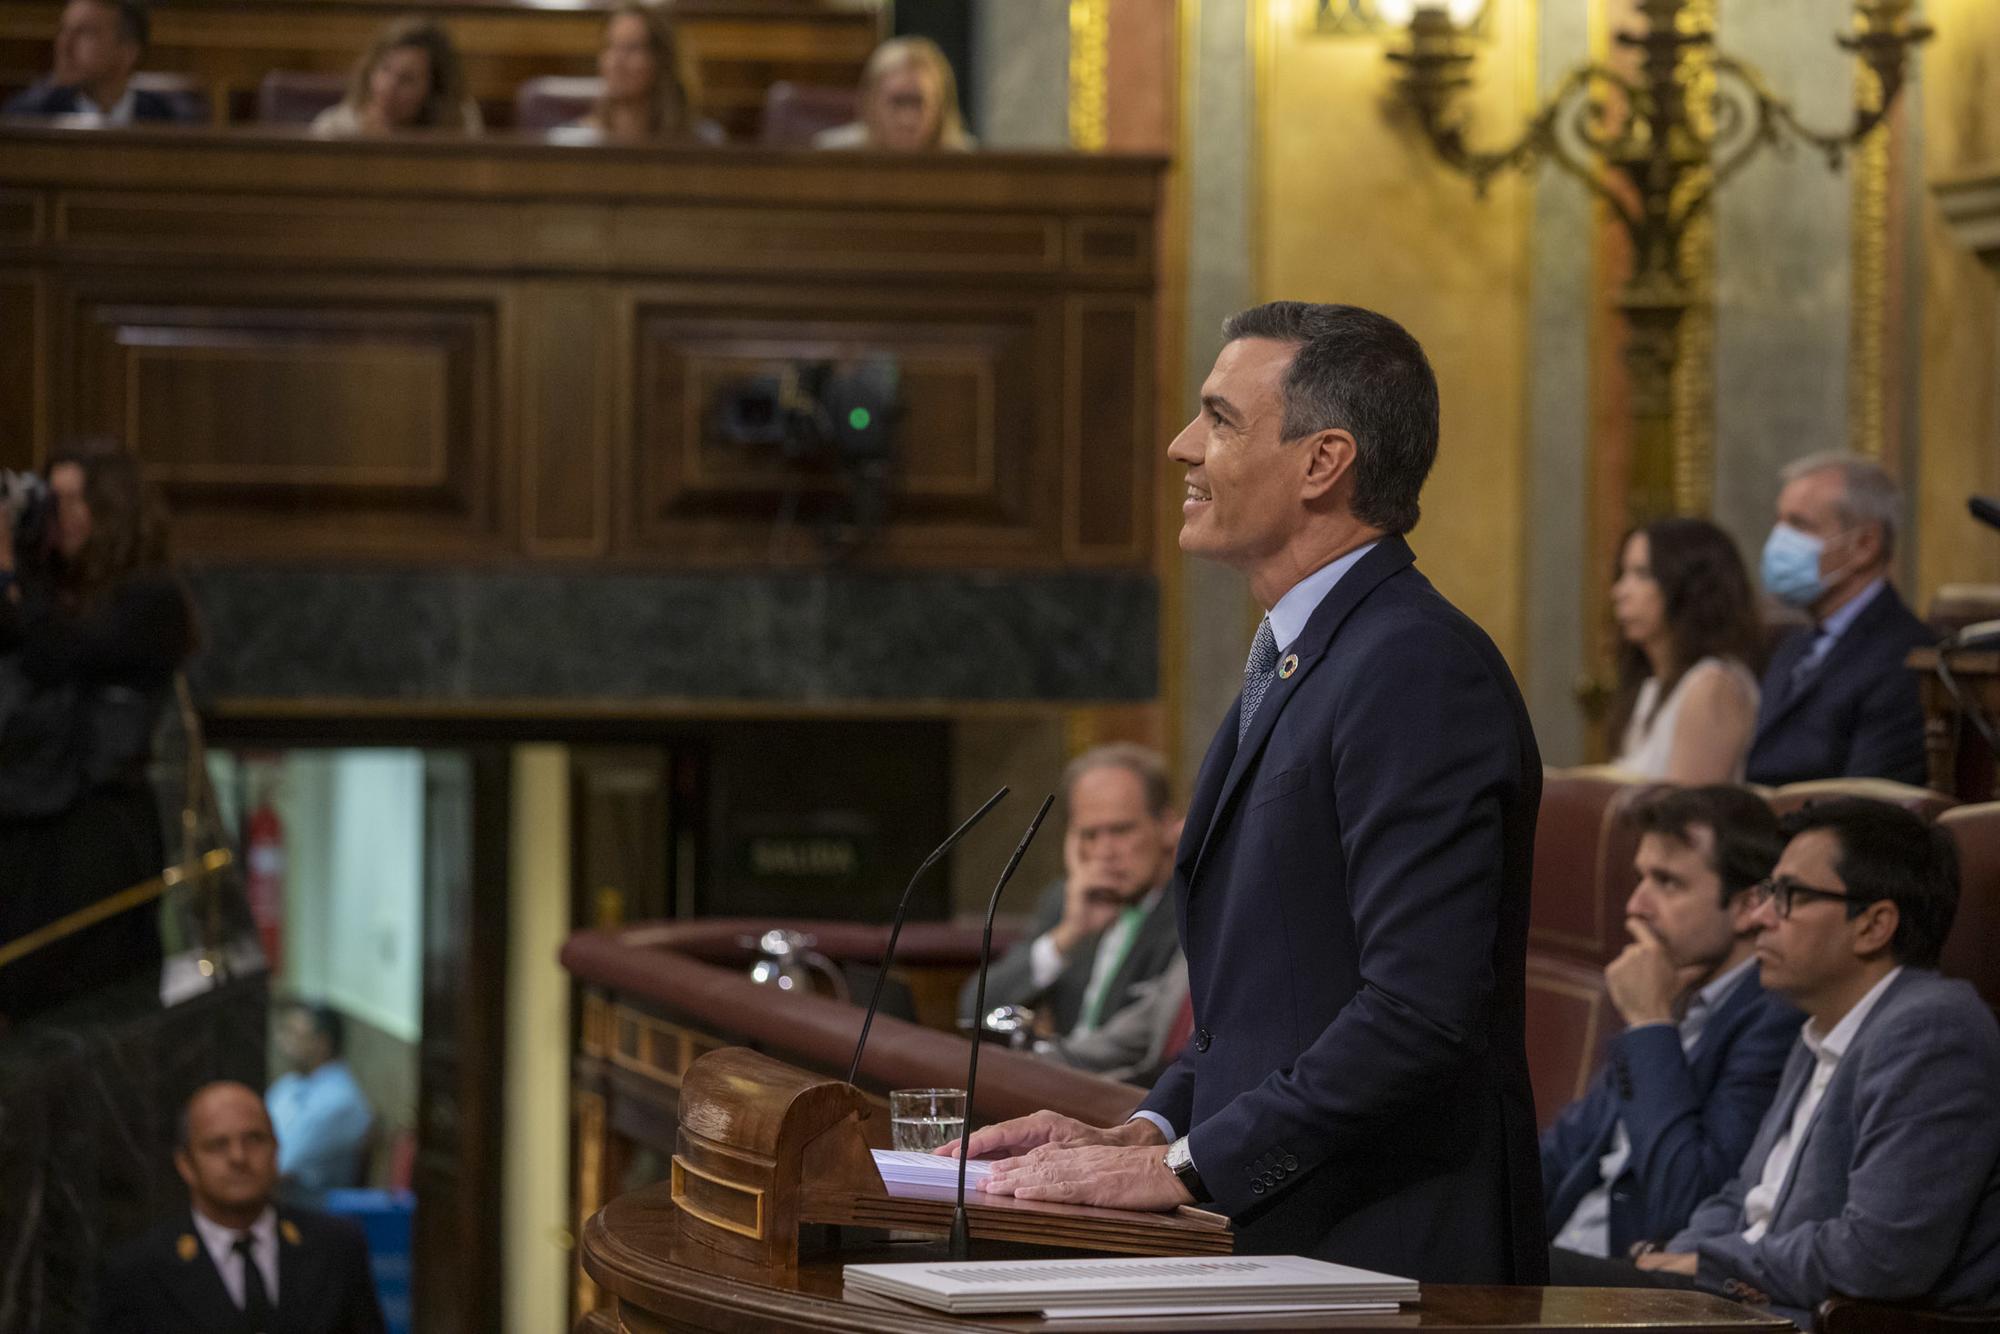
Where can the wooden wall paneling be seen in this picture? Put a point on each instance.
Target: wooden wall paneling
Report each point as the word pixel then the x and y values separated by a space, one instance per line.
pixel 340 417
pixel 977 475
pixel 23 411
pixel 563 405
pixel 1108 430
pixel 836 241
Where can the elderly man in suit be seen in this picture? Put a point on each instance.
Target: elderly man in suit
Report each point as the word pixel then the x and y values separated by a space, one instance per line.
pixel 99 44
pixel 1352 883
pixel 1107 928
pixel 1837 701
pixel 1876 1172
pixel 235 1261
pixel 1667 1121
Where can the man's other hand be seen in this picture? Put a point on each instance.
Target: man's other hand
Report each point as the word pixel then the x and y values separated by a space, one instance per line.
pixel 1023 1134
pixel 1108 1175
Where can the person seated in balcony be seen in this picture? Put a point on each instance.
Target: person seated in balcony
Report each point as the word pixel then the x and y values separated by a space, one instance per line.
pixel 1838 701
pixel 909 103
pixel 409 79
pixel 1108 925
pixel 1670 1117
pixel 321 1115
pixel 650 87
pixel 1686 700
pixel 99 44
pixel 1876 1172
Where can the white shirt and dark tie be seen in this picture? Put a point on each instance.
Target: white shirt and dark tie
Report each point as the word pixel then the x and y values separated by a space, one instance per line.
pixel 232 1249
pixel 1114 945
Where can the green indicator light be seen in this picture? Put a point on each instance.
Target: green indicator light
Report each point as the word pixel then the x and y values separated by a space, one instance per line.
pixel 859 419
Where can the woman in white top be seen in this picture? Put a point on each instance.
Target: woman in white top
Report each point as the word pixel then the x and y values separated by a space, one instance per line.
pixel 1687 702
pixel 908 102
pixel 409 79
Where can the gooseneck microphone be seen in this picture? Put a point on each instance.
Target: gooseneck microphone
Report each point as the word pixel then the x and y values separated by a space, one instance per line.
pixel 961 1236
pixel 896 926
pixel 1984 510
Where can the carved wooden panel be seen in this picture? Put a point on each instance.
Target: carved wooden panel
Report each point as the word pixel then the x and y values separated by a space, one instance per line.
pixel 275 423
pixel 1109 427
pixel 977 466
pixel 20 345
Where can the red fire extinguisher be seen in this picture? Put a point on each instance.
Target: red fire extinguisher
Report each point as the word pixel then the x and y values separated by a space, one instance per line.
pixel 264 861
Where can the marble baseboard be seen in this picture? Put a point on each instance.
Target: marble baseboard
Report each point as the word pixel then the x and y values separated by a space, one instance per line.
pixel 814 637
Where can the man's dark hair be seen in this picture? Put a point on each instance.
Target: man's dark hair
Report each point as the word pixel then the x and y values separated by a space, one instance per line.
pixel 1889 853
pixel 1747 840
pixel 328 1022
pixel 1362 373
pixel 1145 765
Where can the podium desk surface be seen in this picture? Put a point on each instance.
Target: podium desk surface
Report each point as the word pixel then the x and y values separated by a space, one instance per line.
pixel 626 1246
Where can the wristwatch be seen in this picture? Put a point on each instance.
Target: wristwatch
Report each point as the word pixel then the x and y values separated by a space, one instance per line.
pixel 1181 1163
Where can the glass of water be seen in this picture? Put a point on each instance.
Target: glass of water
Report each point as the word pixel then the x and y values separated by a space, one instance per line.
pixel 923 1119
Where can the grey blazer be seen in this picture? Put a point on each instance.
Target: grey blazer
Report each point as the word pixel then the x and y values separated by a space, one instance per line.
pixel 1895 1193
pixel 1011 979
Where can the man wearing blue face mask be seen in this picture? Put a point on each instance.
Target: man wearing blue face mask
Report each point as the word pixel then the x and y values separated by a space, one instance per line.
pixel 1837 700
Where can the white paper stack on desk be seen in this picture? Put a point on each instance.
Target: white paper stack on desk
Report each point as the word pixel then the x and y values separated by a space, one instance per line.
pixel 909 1168
pixel 1136 1287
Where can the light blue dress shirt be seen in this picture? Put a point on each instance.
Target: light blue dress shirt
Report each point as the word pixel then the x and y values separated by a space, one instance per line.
pixel 322 1121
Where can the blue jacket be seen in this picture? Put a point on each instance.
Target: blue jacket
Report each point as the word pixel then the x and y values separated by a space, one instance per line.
pixel 1894 1194
pixel 1858 714
pixel 1352 893
pixel 1690 1119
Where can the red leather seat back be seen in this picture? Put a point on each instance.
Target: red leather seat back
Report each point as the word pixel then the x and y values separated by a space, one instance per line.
pixel 1920 800
pixel 1583 865
pixel 795 112
pixel 294 97
pixel 1570 1026
pixel 1972 951
pixel 545 103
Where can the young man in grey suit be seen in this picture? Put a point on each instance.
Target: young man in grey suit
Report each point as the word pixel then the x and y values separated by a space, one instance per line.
pixel 1352 883
pixel 1876 1173
pixel 1107 928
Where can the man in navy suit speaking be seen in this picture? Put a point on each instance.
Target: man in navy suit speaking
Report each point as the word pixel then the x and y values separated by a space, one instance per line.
pixel 1352 883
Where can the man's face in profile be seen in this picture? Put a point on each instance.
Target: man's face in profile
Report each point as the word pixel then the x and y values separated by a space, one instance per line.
pixel 1244 486
pixel 90 47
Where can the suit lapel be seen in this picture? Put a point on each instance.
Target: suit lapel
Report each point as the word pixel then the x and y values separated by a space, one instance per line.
pixel 296 1275
pixel 1852 640
pixel 1390 555
pixel 196 1285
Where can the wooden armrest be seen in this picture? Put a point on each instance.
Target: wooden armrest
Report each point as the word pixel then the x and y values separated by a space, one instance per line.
pixel 1845 1315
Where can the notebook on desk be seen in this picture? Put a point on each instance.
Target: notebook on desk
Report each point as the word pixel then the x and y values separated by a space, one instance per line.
pixel 1130 1286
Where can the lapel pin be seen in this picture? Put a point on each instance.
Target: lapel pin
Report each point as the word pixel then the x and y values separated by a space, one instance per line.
pixel 187 1247
pixel 1288 666
pixel 290 1231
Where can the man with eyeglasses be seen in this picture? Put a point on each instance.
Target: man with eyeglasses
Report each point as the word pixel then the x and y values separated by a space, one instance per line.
pixel 1876 1172
pixel 1669 1118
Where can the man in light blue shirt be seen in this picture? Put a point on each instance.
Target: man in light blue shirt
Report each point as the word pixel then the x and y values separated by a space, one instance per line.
pixel 319 1112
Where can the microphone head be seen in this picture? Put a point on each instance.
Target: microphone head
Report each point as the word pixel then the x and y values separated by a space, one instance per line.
pixel 1984 510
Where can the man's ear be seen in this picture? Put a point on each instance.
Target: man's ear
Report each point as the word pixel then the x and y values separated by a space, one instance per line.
pixel 1329 460
pixel 1742 912
pixel 185 1166
pixel 1876 927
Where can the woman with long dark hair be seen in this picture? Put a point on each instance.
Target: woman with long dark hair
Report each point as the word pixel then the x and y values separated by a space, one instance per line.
pixel 1687 701
pixel 650 87
pixel 410 78
pixel 94 622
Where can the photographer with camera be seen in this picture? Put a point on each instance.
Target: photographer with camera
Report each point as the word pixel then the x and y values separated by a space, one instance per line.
pixel 94 622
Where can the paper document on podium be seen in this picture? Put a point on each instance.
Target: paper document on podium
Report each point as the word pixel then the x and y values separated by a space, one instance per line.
pixel 909 1168
pixel 1191 1283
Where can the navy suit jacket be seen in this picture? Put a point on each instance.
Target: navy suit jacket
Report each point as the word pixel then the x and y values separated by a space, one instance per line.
pixel 1352 892
pixel 45 99
pixel 1690 1118
pixel 1858 714
pixel 165 1283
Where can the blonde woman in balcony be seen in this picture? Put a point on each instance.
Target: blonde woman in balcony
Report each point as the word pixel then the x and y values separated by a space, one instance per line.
pixel 409 79
pixel 1687 701
pixel 909 103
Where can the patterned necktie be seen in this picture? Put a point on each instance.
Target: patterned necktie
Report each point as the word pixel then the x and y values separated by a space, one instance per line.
pixel 1809 662
pixel 256 1302
pixel 1257 677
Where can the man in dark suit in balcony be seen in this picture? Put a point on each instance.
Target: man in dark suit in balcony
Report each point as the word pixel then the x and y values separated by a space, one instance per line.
pixel 1107 928
pixel 98 46
pixel 1352 882
pixel 1837 700
pixel 1670 1117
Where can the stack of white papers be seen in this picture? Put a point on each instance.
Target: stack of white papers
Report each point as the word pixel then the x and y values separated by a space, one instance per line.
pixel 1159 1285
pixel 908 1168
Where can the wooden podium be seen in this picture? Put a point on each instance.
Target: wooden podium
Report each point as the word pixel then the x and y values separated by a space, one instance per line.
pixel 766 1149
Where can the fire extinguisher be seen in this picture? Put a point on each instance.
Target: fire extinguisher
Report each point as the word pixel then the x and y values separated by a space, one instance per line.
pixel 264 860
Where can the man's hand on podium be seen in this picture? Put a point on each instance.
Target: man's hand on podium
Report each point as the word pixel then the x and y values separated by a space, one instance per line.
pixel 1046 1156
